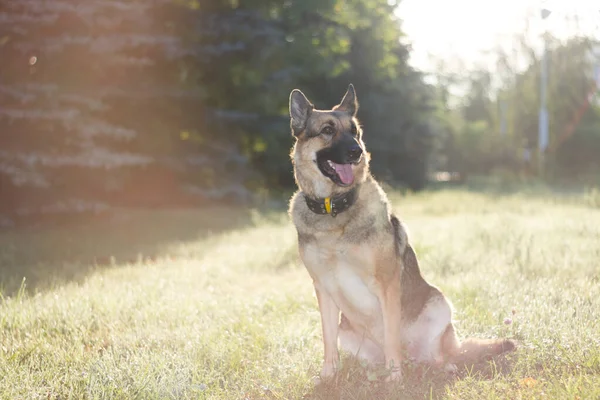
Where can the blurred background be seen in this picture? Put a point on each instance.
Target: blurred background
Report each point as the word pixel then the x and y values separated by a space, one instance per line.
pixel 177 103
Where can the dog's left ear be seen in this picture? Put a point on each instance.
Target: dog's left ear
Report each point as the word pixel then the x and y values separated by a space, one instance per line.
pixel 349 103
pixel 300 110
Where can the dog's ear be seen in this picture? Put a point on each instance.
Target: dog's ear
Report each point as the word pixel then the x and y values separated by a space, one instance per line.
pixel 300 110
pixel 349 103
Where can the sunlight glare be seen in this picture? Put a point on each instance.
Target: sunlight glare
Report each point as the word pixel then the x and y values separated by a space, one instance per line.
pixel 462 30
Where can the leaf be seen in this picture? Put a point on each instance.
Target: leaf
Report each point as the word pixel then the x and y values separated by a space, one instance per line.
pixel 528 382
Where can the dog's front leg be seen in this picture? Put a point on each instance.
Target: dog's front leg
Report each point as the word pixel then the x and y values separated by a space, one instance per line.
pixel 330 318
pixel 389 298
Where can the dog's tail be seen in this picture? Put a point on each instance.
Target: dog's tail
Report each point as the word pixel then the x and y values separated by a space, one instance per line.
pixel 471 351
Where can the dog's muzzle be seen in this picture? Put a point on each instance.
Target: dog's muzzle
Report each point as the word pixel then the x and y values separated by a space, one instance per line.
pixel 336 162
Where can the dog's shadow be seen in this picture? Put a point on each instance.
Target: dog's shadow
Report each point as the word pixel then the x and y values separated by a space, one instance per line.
pixel 355 381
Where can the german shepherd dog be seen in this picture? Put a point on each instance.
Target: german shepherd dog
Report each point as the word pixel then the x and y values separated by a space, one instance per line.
pixel 358 254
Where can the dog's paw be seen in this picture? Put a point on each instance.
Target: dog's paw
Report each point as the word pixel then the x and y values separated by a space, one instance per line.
pixel 326 376
pixel 328 371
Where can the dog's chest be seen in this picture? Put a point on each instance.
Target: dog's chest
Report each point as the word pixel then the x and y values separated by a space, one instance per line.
pixel 346 272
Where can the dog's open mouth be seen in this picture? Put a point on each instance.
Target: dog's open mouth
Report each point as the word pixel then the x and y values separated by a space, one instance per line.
pixel 342 174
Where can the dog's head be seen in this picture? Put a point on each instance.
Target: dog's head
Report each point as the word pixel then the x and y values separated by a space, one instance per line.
pixel 329 155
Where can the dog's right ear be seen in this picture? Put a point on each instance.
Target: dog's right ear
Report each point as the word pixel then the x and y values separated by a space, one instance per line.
pixel 300 110
pixel 349 103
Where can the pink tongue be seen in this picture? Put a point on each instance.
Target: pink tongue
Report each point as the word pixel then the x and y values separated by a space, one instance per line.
pixel 344 171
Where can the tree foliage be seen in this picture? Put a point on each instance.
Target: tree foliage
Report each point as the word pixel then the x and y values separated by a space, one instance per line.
pixel 136 102
pixel 496 123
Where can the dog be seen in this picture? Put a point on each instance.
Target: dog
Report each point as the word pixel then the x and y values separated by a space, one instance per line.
pixel 370 291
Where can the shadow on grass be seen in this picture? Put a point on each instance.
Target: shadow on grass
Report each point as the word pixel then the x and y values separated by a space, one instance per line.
pixel 356 382
pixel 55 254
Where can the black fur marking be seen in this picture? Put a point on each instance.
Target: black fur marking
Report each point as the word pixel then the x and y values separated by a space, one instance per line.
pixel 362 234
pixel 397 237
pixel 345 323
pixel 340 153
pixel 305 238
pixel 416 292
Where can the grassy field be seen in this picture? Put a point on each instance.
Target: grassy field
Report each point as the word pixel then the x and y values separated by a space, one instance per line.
pixel 215 304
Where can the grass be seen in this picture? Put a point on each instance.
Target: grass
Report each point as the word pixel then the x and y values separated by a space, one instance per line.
pixel 215 304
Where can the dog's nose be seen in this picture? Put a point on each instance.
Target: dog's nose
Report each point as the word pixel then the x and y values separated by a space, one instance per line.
pixel 354 152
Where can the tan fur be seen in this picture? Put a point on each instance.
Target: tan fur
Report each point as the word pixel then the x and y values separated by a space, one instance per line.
pixel 362 264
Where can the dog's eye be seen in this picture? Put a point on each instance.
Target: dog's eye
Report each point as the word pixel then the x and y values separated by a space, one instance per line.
pixel 328 130
pixel 353 129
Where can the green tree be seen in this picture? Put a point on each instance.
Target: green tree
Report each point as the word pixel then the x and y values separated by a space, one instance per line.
pixel 473 141
pixel 135 102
